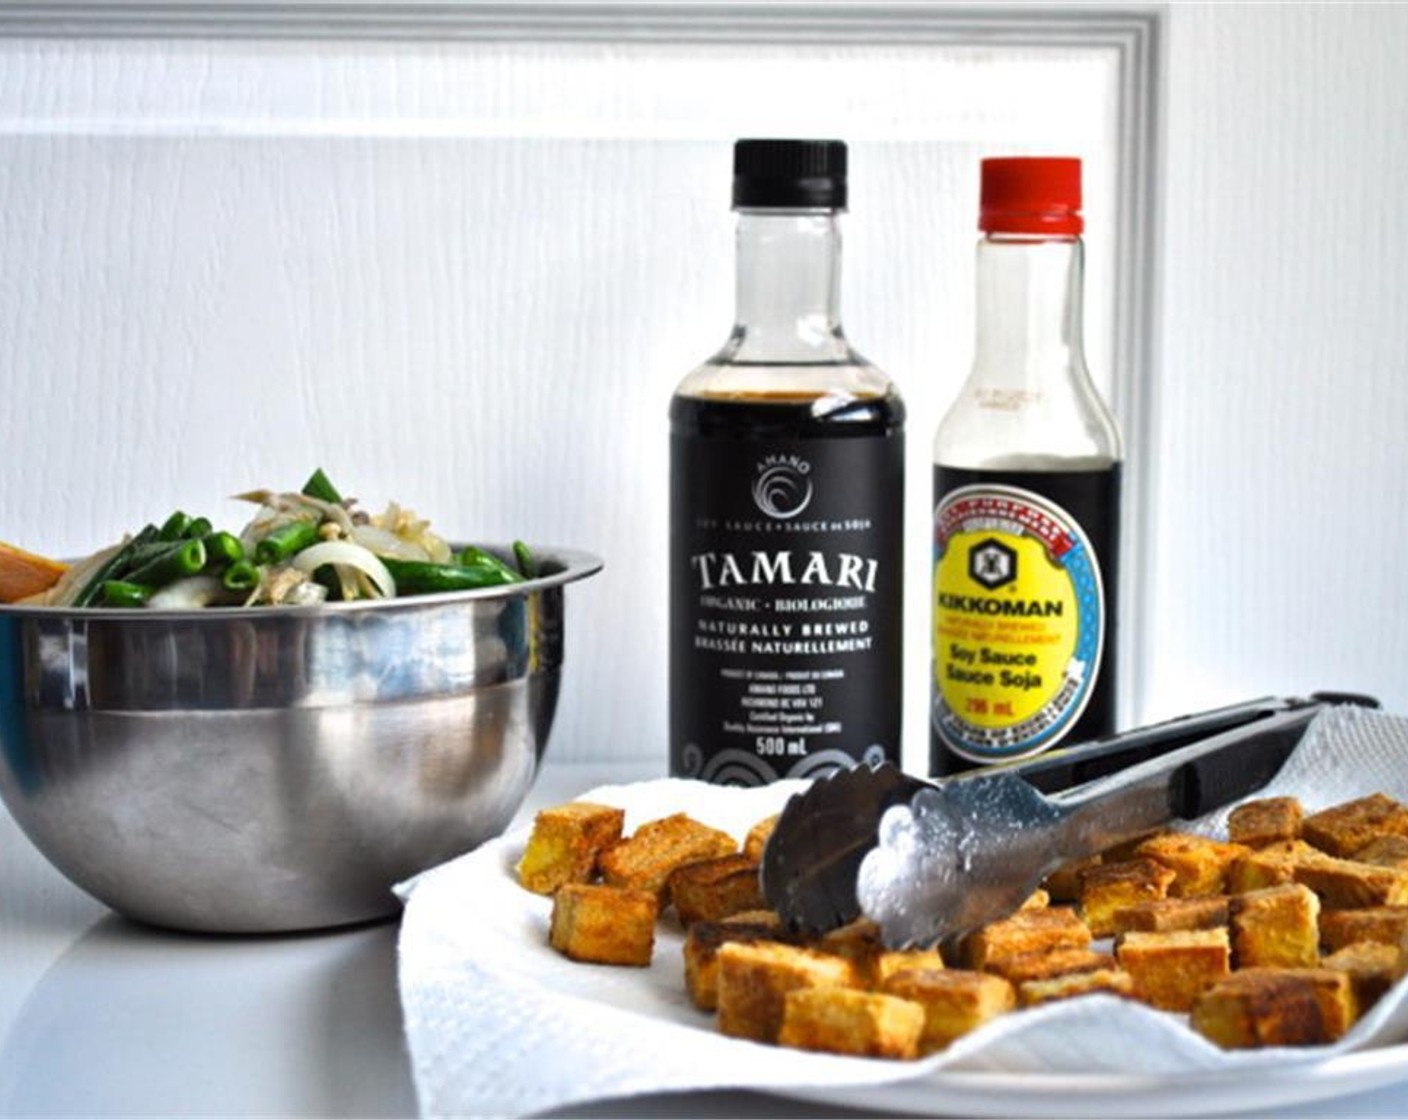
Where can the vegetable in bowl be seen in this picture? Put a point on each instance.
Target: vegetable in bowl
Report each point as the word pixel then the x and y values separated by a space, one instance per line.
pixel 300 548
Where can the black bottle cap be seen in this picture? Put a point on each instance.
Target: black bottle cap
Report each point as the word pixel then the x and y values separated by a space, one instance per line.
pixel 789 174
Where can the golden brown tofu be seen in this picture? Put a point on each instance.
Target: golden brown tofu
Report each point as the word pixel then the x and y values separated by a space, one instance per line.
pixel 1199 865
pixel 754 979
pixel 1049 965
pixel 1027 931
pixel 713 889
pixel 1386 851
pixel 565 843
pixel 1123 852
pixel 603 925
pixel 1387 925
pixel 701 948
pixel 1372 969
pixel 1039 899
pixel 1063 884
pixel 1344 884
pixel 1163 914
pixel 1268 866
pixel 1111 981
pixel 1170 970
pixel 1276 927
pixel 1264 821
pixel 841 1021
pixel 645 861
pixel 757 838
pixel 1116 886
pixel 1266 1007
pixel 955 1001
pixel 1343 829
pixel 860 943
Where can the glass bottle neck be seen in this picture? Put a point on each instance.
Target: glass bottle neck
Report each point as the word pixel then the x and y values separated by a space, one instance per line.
pixel 789 287
pixel 1029 310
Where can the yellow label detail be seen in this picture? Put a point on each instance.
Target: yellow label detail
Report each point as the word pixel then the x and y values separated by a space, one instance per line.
pixel 1001 652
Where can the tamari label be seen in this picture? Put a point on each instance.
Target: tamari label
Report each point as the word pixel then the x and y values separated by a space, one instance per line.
pixel 1019 621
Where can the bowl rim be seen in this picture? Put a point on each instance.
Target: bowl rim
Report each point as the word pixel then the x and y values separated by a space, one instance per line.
pixel 575 564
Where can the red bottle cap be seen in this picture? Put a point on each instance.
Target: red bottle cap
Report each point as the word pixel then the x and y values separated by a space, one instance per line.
pixel 1031 194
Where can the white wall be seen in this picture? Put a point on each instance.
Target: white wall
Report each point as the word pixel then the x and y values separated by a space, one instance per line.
pixel 180 318
pixel 469 276
pixel 1281 459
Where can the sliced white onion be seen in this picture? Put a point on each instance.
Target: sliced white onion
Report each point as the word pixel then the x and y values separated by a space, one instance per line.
pixel 354 556
pixel 191 593
pixel 385 543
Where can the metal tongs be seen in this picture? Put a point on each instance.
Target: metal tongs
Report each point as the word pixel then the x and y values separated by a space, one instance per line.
pixel 930 860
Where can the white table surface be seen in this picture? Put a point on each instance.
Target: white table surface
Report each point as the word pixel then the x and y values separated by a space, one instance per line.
pixel 100 1017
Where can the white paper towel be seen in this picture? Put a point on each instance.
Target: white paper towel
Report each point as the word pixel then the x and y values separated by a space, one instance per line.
pixel 498 1024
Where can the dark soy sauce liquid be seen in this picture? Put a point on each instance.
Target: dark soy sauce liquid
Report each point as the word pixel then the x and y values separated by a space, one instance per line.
pixel 781 689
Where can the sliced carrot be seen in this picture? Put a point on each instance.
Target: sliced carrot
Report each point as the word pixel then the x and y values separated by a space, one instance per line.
pixel 23 574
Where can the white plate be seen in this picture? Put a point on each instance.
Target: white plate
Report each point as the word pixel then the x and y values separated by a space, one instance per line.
pixel 473 953
pixel 954 1092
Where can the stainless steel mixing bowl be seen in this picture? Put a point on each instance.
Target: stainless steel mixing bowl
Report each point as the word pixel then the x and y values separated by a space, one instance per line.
pixel 276 769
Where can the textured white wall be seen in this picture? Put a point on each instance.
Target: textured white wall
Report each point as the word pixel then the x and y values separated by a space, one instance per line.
pixel 1281 463
pixel 469 276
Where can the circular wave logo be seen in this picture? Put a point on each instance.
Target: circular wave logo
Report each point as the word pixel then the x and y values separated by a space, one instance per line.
pixel 782 489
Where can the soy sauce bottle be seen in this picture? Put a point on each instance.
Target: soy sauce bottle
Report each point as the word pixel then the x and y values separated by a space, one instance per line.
pixel 786 499
pixel 1027 467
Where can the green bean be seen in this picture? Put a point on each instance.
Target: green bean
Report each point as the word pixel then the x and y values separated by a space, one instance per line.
pixel 116 563
pixel 175 527
pixel 121 593
pixel 240 576
pixel 283 542
pixel 526 562
pixel 473 557
pixel 416 577
pixel 185 558
pixel 199 527
pixel 319 486
pixel 222 549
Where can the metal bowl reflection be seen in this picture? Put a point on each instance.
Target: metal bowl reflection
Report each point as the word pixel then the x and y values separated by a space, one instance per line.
pixel 276 769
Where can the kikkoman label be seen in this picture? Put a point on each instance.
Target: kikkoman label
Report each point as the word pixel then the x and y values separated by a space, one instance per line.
pixel 1019 622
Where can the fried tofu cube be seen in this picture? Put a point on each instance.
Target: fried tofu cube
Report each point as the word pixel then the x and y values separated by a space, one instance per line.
pixel 701 948
pixel 1049 965
pixel 1039 899
pixel 1276 927
pixel 955 1001
pixel 1164 914
pixel 1115 886
pixel 712 889
pixel 565 843
pixel 1343 829
pixel 1111 981
pixel 1264 821
pixel 1385 851
pixel 1372 969
pixel 860 943
pixel 1123 852
pixel 842 1021
pixel 1268 866
pixel 1274 1007
pixel 1199 865
pixel 644 861
pixel 1171 969
pixel 754 979
pixel 1344 884
pixel 603 925
pixel 758 836
pixel 1063 884
pixel 1027 931
pixel 1387 925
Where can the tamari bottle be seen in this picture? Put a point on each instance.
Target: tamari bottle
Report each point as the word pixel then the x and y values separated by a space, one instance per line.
pixel 786 499
pixel 1027 467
